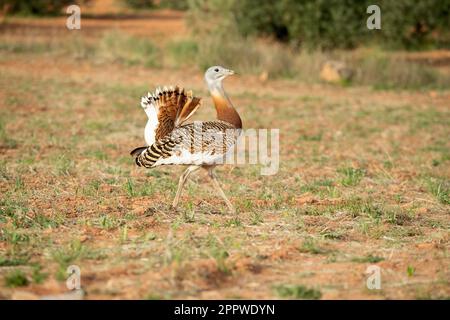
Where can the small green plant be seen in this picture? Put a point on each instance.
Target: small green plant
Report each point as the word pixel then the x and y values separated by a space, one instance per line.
pixel 129 188
pixel 19 184
pixel 92 188
pixel 297 292
pixel 410 271
pixel 124 234
pixel 311 137
pixel 256 218
pixel 43 221
pixel 311 246
pixel 38 276
pixel 321 187
pixel 334 235
pixel 13 261
pixel 219 253
pixel 146 189
pixel 108 222
pixel 68 254
pixel 13 237
pixel 440 189
pixel 351 176
pixel 233 222
pixel 64 165
pixel 16 278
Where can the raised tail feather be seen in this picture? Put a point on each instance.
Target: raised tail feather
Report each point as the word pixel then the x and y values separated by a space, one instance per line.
pixel 169 108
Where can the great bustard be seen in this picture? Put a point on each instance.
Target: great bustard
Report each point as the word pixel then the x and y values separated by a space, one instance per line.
pixel 200 144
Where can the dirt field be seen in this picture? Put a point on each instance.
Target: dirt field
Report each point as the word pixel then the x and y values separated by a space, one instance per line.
pixel 363 180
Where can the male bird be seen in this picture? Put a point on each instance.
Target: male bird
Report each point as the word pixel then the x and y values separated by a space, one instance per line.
pixel 200 144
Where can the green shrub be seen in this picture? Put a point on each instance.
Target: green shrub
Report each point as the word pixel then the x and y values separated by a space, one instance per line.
pixel 329 24
pixel 415 24
pixel 36 7
pixel 148 4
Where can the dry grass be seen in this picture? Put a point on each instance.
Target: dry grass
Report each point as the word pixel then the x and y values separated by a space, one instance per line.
pixel 363 180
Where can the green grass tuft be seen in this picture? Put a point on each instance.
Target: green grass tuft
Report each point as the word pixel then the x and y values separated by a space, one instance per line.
pixel 297 292
pixel 16 278
pixel 311 246
pixel 5 140
pixel 368 259
pixel 350 176
pixel 440 189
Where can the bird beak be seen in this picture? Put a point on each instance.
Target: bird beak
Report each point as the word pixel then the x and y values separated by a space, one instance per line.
pixel 230 72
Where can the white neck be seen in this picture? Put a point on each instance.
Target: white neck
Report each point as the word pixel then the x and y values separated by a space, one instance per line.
pixel 216 89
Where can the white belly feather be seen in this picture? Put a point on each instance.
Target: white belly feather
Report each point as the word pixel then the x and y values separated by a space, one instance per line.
pixel 184 156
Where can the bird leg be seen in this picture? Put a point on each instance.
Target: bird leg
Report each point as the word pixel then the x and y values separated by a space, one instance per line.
pixel 181 183
pixel 219 189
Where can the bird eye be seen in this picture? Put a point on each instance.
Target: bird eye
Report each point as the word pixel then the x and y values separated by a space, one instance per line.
pixel 216 69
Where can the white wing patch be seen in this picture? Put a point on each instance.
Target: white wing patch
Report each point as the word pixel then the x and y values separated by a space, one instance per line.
pixel 151 109
pixel 150 127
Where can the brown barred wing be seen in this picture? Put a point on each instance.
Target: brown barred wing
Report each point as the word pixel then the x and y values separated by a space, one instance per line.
pixel 198 143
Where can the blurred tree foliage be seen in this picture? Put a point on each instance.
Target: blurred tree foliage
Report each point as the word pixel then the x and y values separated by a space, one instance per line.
pixel 36 7
pixel 147 4
pixel 414 24
pixel 140 4
pixel 328 24
pixel 174 4
pixel 54 7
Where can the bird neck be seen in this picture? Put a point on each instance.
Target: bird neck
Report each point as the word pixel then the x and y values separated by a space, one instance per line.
pixel 225 110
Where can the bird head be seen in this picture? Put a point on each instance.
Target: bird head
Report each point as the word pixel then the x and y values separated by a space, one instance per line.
pixel 216 74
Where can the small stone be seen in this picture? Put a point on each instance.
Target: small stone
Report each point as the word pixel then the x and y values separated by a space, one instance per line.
pixel 335 72
pixel 307 199
pixel 84 238
pixel 264 76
